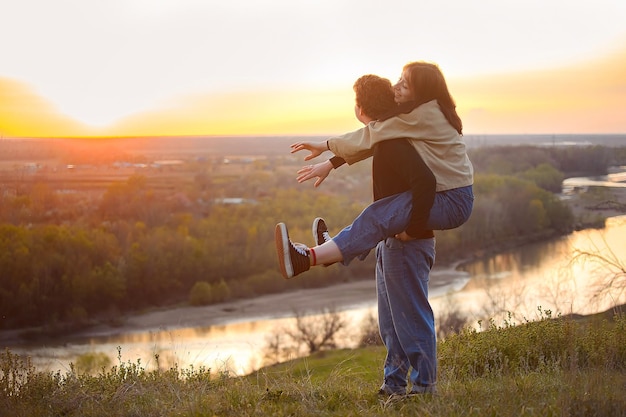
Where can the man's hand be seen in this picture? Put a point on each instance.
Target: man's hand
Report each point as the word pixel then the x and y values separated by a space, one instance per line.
pixel 316 148
pixel 319 171
pixel 404 236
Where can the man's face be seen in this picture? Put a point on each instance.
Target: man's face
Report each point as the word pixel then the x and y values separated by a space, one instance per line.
pixel 360 115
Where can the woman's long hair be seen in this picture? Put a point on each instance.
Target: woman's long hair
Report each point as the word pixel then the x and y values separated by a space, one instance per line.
pixel 427 83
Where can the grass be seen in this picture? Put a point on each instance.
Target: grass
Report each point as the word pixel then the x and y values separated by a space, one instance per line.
pixel 549 367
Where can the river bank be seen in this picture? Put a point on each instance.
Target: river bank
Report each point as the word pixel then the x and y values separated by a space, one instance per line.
pixel 338 297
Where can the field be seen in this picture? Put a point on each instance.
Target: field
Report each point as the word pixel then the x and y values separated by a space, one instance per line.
pixel 168 164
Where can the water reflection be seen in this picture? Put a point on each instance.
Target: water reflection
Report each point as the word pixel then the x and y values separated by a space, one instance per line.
pixel 547 275
pixel 615 179
pixel 237 348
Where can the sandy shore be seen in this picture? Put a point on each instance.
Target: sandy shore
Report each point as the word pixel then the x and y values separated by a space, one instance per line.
pixel 307 301
pixel 337 297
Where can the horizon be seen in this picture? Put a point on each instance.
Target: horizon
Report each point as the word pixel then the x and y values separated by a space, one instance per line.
pixel 277 145
pixel 265 136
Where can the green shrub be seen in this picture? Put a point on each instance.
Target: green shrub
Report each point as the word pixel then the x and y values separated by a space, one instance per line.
pixel 200 294
pixel 221 292
pixel 92 362
pixel 544 345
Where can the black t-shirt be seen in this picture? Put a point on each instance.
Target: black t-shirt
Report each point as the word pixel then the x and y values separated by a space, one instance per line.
pixel 396 168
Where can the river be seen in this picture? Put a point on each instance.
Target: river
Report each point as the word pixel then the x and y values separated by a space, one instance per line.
pixel 520 284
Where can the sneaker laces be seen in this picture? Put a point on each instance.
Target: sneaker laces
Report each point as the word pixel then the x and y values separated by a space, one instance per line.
pixel 326 236
pixel 301 248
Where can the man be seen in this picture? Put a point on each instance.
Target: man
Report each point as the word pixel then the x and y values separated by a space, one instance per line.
pixel 406 320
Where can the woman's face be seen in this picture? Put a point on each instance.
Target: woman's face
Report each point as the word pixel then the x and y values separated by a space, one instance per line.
pixel 402 92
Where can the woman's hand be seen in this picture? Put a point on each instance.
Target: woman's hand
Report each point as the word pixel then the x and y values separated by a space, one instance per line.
pixel 404 236
pixel 316 148
pixel 319 171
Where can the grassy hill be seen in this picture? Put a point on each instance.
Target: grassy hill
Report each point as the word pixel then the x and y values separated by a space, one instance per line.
pixel 551 367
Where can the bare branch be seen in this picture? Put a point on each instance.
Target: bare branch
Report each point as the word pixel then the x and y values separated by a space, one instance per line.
pixel 609 267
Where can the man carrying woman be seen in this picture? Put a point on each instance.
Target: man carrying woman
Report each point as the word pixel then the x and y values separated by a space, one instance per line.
pixel 414 193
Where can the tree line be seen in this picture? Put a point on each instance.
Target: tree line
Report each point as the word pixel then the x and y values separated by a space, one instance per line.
pixel 69 259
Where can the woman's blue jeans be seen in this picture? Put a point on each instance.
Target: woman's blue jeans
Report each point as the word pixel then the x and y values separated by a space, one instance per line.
pixel 405 317
pixel 389 216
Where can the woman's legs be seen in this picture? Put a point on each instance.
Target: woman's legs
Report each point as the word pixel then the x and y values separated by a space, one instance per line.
pixel 381 219
pixel 451 208
pixel 389 216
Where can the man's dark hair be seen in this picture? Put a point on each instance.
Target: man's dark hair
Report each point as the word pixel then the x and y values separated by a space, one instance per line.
pixel 374 95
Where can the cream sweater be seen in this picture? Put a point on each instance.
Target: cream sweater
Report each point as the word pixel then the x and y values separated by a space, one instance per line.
pixel 438 143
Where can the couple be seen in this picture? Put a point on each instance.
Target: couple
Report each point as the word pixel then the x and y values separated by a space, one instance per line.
pixel 422 181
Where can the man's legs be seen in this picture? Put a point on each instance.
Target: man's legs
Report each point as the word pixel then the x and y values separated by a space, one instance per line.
pixel 406 267
pixel 396 365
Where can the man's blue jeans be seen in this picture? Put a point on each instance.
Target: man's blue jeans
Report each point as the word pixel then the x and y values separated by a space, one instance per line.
pixel 405 317
pixel 389 216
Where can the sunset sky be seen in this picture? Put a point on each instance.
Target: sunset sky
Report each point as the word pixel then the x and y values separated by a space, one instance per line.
pixel 284 67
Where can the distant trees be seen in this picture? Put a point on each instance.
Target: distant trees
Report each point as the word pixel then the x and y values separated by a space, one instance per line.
pixel 506 209
pixel 545 176
pixel 53 274
pixel 135 200
pixel 572 160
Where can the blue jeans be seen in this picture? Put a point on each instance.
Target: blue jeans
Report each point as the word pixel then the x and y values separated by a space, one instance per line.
pixel 389 216
pixel 405 317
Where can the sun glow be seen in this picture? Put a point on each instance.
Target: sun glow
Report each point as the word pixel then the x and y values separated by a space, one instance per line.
pixel 103 113
pixel 269 112
pixel 24 113
pixel 584 98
